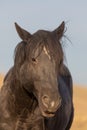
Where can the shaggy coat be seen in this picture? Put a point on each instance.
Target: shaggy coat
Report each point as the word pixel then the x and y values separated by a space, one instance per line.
pixel 37 91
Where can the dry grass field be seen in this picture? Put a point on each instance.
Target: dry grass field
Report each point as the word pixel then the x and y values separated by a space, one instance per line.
pixel 1 79
pixel 80 105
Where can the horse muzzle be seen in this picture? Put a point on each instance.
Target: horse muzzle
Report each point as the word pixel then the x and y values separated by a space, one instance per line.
pixel 50 106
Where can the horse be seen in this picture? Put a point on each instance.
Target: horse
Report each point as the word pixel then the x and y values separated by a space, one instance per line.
pixel 37 91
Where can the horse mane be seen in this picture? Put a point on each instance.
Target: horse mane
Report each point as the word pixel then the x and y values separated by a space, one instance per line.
pixel 19 54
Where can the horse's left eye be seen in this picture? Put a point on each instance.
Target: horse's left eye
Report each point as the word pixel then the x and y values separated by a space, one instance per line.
pixel 34 60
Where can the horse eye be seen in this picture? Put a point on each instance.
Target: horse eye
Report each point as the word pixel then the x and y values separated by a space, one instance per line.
pixel 60 62
pixel 34 60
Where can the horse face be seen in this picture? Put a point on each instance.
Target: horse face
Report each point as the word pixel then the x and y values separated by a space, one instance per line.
pixel 40 69
pixel 44 77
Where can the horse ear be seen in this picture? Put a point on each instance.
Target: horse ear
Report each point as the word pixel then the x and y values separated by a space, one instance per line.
pixel 23 34
pixel 60 30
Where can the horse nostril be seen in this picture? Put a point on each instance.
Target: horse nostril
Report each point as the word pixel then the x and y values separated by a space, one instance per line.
pixel 45 100
pixel 51 104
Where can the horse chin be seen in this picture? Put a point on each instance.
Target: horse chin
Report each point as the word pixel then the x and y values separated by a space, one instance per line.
pixel 47 114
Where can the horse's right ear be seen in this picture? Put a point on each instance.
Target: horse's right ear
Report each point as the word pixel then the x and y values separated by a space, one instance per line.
pixel 23 34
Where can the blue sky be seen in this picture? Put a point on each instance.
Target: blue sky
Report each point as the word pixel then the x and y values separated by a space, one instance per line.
pixel 47 14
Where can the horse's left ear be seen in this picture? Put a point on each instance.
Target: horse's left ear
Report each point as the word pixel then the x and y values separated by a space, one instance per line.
pixel 23 34
pixel 60 30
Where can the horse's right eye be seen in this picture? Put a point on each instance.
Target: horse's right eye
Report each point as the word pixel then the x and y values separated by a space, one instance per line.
pixel 34 60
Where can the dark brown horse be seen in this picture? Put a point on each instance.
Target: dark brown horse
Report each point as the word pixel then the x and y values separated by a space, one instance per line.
pixel 37 91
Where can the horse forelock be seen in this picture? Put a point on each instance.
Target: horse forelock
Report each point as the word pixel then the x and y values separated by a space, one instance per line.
pixel 46 41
